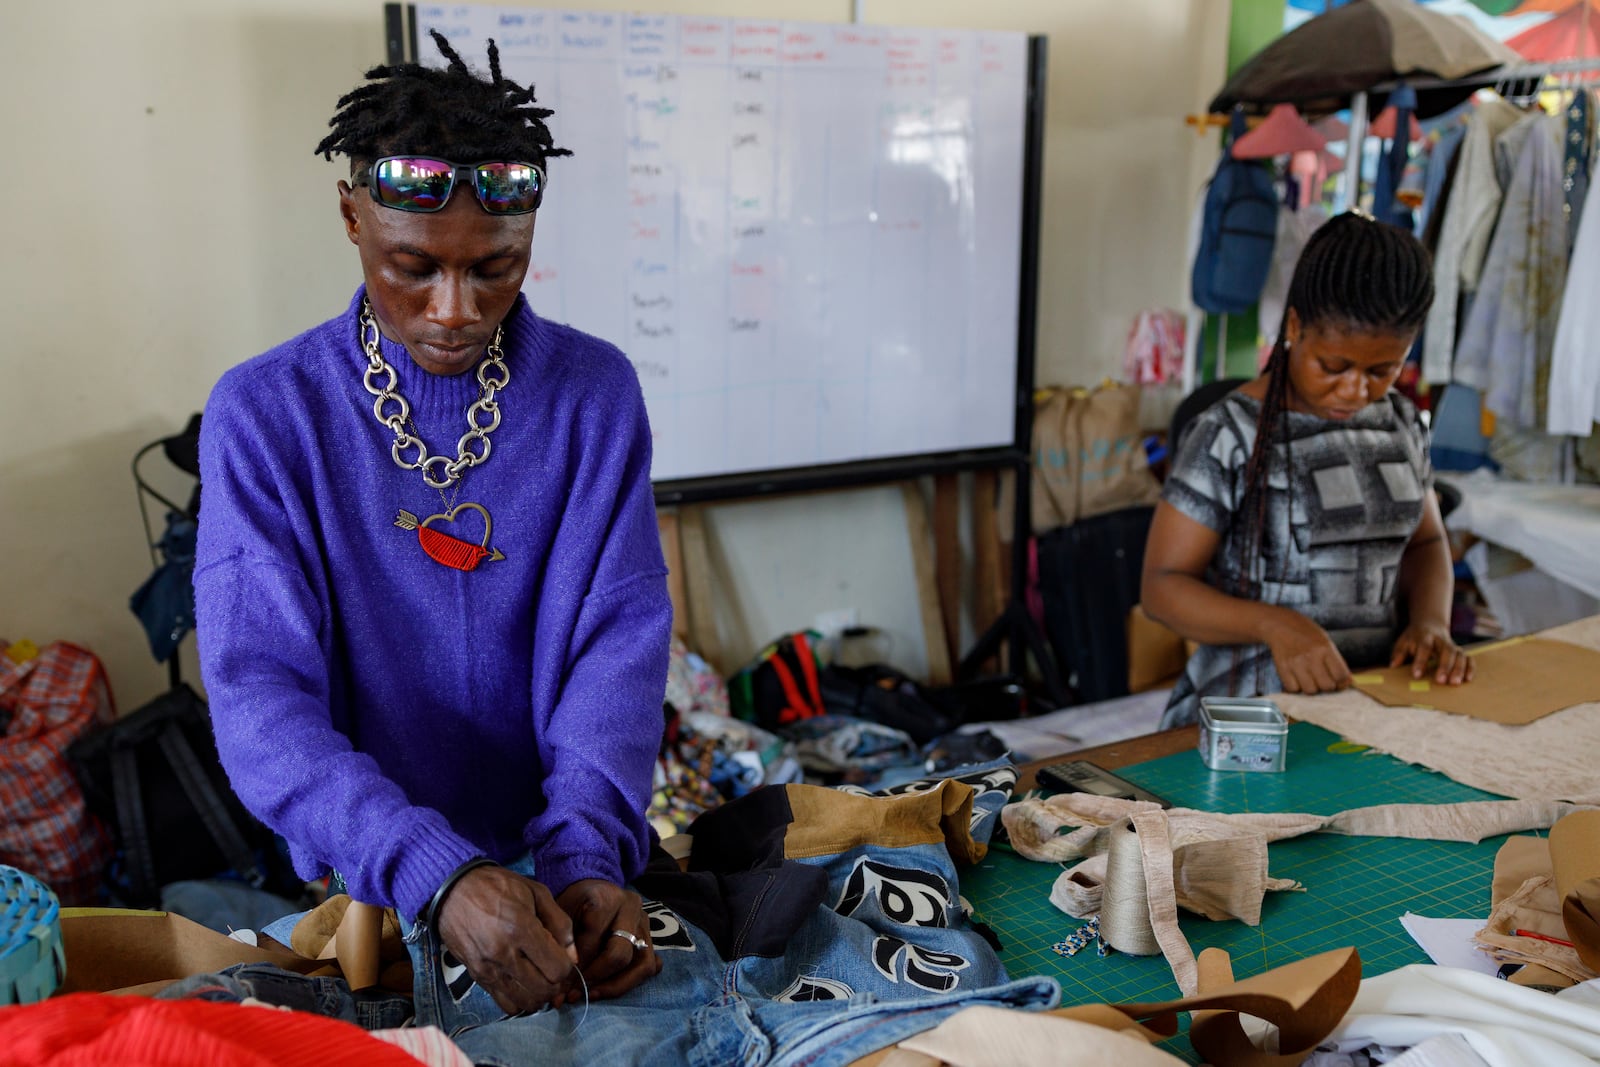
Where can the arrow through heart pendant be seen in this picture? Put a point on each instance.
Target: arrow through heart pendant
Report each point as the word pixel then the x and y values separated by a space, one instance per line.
pixel 452 551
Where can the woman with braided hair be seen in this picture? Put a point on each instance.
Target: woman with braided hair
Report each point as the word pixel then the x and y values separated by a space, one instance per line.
pixel 1298 536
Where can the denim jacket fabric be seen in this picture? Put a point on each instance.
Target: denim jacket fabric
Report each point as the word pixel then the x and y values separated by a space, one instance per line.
pixel 835 929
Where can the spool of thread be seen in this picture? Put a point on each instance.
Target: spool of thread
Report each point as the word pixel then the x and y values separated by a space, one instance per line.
pixel 1125 907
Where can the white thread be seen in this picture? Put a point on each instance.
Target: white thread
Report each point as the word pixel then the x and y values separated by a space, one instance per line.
pixel 585 1017
pixel 1125 905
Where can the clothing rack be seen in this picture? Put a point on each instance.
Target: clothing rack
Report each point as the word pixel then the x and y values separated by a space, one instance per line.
pixel 1350 194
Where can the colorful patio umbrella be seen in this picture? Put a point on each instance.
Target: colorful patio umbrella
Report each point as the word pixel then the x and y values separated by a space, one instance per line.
pixel 1321 63
pixel 1574 31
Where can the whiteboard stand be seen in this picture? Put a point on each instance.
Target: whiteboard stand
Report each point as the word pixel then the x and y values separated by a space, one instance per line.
pixel 1014 626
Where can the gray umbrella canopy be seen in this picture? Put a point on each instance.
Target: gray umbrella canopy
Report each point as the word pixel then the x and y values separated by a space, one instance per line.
pixel 1320 63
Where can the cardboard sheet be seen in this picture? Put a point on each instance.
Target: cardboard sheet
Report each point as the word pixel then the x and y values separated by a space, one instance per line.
pixel 1516 682
pixel 1575 856
pixel 1547 903
pixel 112 950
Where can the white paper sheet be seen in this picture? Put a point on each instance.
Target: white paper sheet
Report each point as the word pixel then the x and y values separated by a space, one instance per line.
pixel 1448 942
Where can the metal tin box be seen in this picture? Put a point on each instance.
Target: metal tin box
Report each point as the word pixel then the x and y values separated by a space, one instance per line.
pixel 1242 734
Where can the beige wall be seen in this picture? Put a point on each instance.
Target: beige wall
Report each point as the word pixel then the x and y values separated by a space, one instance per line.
pixel 168 220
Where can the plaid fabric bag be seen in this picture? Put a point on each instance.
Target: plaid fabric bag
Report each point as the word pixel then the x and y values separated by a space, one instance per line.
pixel 48 702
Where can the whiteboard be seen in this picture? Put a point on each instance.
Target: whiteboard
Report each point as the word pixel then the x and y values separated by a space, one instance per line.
pixel 806 236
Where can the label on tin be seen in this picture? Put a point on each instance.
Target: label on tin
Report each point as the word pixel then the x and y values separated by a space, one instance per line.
pixel 1246 751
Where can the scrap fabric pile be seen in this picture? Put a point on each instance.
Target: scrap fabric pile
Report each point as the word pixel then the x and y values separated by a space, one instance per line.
pixel 1210 863
pixel 809 926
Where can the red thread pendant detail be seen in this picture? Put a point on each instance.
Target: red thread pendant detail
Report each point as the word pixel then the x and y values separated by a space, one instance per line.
pixel 451 551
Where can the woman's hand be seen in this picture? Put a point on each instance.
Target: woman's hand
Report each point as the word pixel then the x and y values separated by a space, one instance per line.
pixel 513 939
pixel 1306 657
pixel 1423 643
pixel 602 913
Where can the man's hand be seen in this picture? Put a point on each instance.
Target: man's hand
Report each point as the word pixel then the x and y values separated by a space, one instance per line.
pixel 601 913
pixel 1424 642
pixel 1306 658
pixel 515 942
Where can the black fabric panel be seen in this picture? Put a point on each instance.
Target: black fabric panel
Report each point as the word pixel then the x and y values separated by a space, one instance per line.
pixel 739 889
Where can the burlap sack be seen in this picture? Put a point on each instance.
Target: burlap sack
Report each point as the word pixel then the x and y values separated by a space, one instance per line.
pixel 1088 457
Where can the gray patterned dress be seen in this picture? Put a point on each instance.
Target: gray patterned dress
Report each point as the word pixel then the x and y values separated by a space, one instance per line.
pixel 1337 524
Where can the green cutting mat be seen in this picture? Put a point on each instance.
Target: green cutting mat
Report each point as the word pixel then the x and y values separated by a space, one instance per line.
pixel 1356 888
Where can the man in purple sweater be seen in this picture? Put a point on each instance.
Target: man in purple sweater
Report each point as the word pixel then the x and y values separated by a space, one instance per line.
pixel 433 614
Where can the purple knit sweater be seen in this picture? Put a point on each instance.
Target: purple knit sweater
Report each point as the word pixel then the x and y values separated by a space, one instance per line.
pixel 392 717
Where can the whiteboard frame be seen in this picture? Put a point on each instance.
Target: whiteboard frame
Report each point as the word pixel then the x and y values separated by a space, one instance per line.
pixel 400 32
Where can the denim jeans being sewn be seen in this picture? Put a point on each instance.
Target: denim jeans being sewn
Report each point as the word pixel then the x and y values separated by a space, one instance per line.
pixel 889 954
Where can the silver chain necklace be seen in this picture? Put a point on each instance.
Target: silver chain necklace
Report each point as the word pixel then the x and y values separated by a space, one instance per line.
pixel 392 410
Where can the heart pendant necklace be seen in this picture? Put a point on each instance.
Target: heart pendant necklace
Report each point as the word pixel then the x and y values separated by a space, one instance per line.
pixel 439 472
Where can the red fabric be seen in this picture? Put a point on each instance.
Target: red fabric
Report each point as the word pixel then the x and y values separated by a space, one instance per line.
pixel 96 1029
pixel 45 829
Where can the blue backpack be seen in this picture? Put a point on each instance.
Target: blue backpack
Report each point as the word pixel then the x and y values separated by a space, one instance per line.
pixel 1237 232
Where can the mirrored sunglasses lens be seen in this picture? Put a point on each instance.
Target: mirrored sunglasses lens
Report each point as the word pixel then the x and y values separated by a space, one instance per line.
pixel 509 188
pixel 414 184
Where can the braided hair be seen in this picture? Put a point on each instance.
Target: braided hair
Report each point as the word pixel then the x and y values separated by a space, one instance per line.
pixel 450 112
pixel 1355 274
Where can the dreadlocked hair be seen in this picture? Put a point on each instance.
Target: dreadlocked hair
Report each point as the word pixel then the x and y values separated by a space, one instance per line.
pixel 1355 274
pixel 449 112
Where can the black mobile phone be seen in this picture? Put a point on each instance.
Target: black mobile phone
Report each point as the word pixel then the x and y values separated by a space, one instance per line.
pixel 1081 776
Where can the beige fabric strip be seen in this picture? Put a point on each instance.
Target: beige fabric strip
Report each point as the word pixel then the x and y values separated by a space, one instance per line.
pixel 1207 862
pixel 1552 758
pixel 995 1037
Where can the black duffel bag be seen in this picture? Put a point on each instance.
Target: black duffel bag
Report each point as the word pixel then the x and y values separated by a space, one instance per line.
pixel 155 778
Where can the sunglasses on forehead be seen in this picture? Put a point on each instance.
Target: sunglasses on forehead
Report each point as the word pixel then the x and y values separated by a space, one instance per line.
pixel 424 183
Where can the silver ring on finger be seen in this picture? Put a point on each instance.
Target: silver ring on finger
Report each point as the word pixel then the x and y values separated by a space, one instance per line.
pixel 631 938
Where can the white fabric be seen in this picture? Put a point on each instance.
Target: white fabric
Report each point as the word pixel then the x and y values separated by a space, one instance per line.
pixel 1505 1024
pixel 1294 230
pixel 1575 361
pixel 1524 599
pixel 1464 237
pixel 1557 527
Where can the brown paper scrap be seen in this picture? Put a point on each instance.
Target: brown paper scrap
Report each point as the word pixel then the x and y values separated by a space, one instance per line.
pixel 1515 682
pixel 1575 857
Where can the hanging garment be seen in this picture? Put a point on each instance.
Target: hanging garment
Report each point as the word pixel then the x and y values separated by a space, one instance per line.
pixel 1309 171
pixel 1574 398
pixel 1153 354
pixel 1575 168
pixel 1433 180
pixel 1506 346
pixel 1459 443
pixel 1294 230
pixel 1468 222
pixel 1392 162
